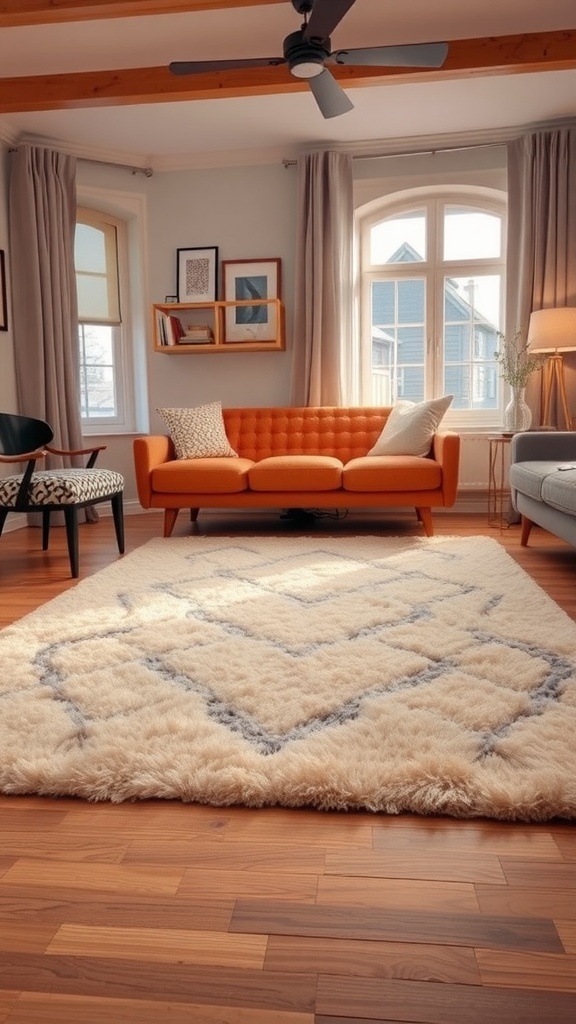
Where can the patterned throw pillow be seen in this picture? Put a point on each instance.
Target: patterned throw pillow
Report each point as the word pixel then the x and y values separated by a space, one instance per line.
pixel 198 433
pixel 410 427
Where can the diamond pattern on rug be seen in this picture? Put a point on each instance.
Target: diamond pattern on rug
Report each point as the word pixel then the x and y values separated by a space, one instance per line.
pixel 424 675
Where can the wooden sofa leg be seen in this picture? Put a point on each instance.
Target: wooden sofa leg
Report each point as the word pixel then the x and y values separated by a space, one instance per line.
pixel 425 517
pixel 170 517
pixel 527 525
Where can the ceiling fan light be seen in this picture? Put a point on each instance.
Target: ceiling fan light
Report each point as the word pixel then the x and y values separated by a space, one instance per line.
pixel 307 67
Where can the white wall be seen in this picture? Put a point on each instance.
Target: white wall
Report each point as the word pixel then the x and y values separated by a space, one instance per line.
pixel 249 213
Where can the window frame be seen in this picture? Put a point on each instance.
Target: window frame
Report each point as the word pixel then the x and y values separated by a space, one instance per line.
pixel 122 360
pixel 433 269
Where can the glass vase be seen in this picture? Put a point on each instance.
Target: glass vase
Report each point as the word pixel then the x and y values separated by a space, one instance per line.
pixel 517 415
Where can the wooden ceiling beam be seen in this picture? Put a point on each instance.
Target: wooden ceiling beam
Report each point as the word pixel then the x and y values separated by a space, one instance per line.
pixel 498 55
pixel 16 13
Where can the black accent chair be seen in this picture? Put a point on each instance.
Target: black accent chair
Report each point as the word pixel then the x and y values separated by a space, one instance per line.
pixel 27 440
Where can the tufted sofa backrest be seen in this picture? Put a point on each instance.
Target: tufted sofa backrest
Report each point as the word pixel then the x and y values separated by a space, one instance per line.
pixel 346 433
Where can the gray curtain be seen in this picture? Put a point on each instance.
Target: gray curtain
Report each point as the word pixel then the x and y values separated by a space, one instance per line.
pixel 541 257
pixel 42 219
pixel 323 284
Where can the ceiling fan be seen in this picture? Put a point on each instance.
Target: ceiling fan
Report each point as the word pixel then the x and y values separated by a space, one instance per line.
pixel 308 55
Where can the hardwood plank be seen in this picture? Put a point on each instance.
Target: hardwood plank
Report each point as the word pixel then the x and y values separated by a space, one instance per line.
pixel 275 917
pixel 5 863
pixel 397 893
pixel 26 936
pixel 319 832
pixel 29 819
pixel 48 1008
pixel 542 902
pixel 372 959
pixel 441 1004
pixel 51 847
pixel 133 979
pixel 107 877
pixel 237 884
pixel 447 867
pixel 47 905
pixel 543 971
pixel 239 856
pixel 160 945
pixel 567 932
pixel 566 844
pixel 136 820
pixel 529 874
pixel 7 1002
pixel 503 841
pixel 322 1019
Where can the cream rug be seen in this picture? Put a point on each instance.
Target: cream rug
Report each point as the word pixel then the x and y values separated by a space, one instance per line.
pixel 358 672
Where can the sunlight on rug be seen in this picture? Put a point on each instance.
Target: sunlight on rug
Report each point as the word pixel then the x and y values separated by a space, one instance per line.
pixel 388 674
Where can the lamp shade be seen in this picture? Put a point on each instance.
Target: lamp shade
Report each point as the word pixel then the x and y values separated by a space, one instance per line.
pixel 552 330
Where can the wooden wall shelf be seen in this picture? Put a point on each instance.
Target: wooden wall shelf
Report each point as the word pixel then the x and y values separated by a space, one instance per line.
pixel 175 324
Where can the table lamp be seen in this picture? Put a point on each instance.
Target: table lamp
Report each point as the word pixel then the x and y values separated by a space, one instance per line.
pixel 553 331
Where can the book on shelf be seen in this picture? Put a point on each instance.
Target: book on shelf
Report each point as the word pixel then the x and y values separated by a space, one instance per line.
pixel 197 334
pixel 169 328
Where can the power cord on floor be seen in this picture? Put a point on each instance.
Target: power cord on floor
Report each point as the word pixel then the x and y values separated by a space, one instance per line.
pixel 306 516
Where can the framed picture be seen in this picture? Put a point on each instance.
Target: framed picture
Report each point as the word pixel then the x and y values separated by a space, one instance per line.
pixel 3 297
pixel 245 281
pixel 197 274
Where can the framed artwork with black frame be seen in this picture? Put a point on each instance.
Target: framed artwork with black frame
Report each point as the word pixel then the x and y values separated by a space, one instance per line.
pixel 3 296
pixel 251 281
pixel 197 274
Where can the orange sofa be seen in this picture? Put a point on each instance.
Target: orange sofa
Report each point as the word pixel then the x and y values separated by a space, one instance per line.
pixel 298 458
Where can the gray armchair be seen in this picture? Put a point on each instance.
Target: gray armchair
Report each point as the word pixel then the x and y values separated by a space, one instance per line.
pixel 543 482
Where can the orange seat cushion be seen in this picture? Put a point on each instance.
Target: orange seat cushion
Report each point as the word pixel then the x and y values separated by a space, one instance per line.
pixel 202 476
pixel 296 473
pixel 382 473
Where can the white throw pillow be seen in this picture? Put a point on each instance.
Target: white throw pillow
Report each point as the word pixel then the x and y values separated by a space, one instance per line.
pixel 410 427
pixel 198 433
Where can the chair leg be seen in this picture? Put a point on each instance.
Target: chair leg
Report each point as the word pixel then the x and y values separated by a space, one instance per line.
pixel 71 519
pixel 117 512
pixel 45 528
pixel 527 525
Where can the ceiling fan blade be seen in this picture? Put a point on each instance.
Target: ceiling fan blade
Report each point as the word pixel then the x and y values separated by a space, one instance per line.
pixel 325 16
pixel 420 55
pixel 199 67
pixel 329 95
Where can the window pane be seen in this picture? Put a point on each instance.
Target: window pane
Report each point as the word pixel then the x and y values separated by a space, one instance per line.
pixel 400 239
pixel 398 340
pixel 97 376
pixel 471 234
pixel 471 325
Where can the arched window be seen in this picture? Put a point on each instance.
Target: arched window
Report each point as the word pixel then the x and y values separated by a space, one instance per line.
pixel 432 271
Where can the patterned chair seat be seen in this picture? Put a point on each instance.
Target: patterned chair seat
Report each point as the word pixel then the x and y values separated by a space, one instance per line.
pixel 26 441
pixel 63 486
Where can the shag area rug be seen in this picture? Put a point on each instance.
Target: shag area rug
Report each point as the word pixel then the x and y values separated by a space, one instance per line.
pixel 387 674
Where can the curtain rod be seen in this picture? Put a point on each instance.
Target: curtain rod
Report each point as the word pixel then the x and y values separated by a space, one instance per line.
pixel 410 152
pixel 147 171
pixel 485 139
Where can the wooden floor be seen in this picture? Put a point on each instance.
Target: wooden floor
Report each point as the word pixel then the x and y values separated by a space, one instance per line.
pixel 160 911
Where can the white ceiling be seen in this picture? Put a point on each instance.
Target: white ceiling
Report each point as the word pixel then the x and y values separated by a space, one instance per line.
pixel 186 133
